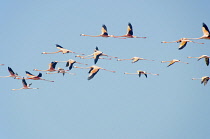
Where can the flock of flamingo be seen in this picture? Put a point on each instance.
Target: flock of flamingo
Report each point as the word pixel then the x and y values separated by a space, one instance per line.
pixel 93 70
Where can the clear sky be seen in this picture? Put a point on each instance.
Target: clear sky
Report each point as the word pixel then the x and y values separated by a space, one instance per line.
pixel 111 105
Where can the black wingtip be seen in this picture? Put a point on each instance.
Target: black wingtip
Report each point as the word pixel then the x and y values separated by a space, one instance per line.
pixel 39 75
pixel 129 24
pixel 27 72
pixel 104 26
pixel 57 45
pixel 97 48
pixel 145 75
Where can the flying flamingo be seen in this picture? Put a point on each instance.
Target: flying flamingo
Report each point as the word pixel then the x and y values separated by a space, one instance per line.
pixel 135 59
pixel 93 70
pixel 70 63
pixel 96 55
pixel 139 72
pixel 62 50
pixel 182 41
pixel 51 67
pixel 204 79
pixel 92 57
pixel 129 33
pixel 33 77
pixel 173 61
pixel 202 56
pixel 206 33
pixel 60 70
pixel 12 74
pixel 104 33
pixel 79 56
pixel 25 86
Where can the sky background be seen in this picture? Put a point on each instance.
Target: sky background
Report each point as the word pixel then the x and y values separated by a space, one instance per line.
pixel 111 105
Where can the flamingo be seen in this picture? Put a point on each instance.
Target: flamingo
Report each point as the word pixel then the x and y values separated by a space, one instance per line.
pixel 80 56
pixel 51 67
pixel 60 70
pixel 173 61
pixel 93 70
pixel 129 33
pixel 139 72
pixel 25 85
pixel 62 50
pixel 12 74
pixel 96 55
pixel 104 33
pixel 202 56
pixel 70 63
pixel 206 33
pixel 1 64
pixel 204 79
pixel 135 59
pixel 33 77
pixel 93 57
pixel 182 41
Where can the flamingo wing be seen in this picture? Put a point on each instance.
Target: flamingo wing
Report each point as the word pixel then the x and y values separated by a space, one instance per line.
pixel 199 58
pixel 24 83
pixel 92 72
pixel 207 61
pixel 91 68
pixel 205 80
pixel 29 74
pixel 171 63
pixel 39 75
pixel 130 29
pixel 67 63
pixel 58 46
pixel 145 75
pixel 97 48
pixel 104 30
pixel 54 64
pixel 71 66
pixel 135 60
pixel 11 71
pixel 96 59
pixel 205 30
pixel 182 44
pixel 139 74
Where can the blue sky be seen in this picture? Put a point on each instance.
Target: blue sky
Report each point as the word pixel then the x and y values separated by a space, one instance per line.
pixel 111 105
